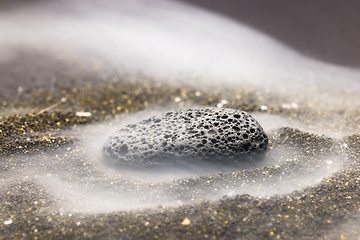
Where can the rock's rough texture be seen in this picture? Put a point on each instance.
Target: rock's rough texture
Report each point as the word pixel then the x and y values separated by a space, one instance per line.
pixel 209 134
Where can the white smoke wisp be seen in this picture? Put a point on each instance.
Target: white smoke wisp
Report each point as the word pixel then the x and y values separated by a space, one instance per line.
pixel 77 178
pixel 163 39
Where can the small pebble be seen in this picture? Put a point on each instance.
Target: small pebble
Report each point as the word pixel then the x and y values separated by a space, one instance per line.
pixel 186 222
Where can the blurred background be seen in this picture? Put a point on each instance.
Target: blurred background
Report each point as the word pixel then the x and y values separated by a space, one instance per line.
pixel 325 30
pixel 44 43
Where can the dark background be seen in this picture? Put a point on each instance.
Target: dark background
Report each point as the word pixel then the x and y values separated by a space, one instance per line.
pixel 328 30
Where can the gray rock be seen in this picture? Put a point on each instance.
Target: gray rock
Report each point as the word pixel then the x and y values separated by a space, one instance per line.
pixel 208 134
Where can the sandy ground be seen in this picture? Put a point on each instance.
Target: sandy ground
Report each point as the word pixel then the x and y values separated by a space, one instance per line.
pixel 307 188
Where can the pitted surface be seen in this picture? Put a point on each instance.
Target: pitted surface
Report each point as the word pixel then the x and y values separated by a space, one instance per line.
pixel 209 134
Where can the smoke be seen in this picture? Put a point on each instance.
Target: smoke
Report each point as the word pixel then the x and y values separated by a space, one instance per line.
pixel 77 178
pixel 164 39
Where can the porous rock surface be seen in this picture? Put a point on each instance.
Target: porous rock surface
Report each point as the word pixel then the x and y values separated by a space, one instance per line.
pixel 208 134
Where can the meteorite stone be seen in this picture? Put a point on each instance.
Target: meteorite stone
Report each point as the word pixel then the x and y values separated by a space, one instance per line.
pixel 204 134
